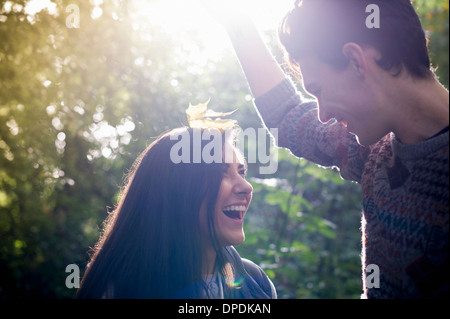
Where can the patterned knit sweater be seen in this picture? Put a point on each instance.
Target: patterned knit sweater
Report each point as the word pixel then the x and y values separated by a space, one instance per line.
pixel 405 194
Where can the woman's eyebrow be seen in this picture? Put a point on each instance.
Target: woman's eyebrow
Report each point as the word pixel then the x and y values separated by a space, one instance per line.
pixel 238 167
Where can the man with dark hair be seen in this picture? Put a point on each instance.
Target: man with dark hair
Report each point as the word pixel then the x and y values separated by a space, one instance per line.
pixel 381 117
pixel 326 26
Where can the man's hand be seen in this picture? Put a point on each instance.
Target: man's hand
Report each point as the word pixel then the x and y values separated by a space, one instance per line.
pixel 261 69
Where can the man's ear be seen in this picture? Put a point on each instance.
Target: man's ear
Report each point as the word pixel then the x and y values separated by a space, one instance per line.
pixel 357 59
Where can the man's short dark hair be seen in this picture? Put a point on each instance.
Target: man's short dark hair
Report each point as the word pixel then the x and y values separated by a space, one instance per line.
pixel 322 27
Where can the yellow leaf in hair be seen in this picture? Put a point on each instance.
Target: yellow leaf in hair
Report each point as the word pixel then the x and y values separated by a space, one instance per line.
pixel 200 117
pixel 196 112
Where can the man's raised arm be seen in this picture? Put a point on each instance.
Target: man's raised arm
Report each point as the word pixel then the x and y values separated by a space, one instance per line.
pixel 262 71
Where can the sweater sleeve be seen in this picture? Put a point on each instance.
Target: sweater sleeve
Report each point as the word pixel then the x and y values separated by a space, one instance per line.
pixel 300 131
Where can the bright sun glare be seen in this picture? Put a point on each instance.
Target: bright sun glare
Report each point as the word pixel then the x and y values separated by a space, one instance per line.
pixel 177 15
pixel 177 18
pixel 188 15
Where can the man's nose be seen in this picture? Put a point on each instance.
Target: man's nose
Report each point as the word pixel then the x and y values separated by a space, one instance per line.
pixel 324 116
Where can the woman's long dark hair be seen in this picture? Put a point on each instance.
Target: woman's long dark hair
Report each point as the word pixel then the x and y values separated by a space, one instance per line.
pixel 151 246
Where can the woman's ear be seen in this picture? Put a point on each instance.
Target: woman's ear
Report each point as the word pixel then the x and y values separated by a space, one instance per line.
pixel 355 54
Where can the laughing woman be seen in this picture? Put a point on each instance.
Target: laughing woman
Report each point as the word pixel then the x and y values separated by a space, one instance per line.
pixel 174 228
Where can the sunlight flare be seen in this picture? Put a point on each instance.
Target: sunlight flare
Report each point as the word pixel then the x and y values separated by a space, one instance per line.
pixel 177 17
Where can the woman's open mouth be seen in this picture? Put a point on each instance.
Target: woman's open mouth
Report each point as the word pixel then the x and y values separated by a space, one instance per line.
pixel 236 212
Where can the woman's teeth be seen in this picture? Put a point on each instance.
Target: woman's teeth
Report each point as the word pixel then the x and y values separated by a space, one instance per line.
pixel 235 211
pixel 238 208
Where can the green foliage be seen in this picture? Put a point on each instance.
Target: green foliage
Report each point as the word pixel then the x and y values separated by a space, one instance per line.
pixel 78 105
pixel 305 231
pixel 434 15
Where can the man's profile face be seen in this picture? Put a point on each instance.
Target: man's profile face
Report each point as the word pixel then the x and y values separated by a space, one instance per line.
pixel 346 97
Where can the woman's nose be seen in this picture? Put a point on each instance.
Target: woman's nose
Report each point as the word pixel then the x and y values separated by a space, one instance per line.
pixel 244 187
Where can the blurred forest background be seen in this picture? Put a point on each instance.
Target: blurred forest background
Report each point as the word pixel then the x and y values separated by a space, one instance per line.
pixel 77 105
